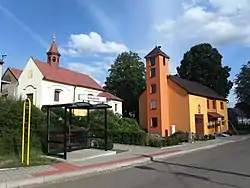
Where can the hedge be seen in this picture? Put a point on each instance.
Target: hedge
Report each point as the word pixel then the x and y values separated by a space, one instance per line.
pixel 11 114
pixel 131 138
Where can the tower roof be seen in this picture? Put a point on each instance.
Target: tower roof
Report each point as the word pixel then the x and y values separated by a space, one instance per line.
pixel 53 48
pixel 157 51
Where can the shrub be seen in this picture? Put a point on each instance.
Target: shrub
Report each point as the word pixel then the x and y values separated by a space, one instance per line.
pixel 211 137
pixel 155 142
pixel 183 136
pixel 114 122
pixel 131 138
pixel 11 114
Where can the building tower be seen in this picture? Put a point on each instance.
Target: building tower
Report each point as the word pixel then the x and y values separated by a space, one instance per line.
pixel 157 70
pixel 53 56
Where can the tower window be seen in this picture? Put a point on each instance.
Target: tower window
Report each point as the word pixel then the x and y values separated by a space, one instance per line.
pixel 164 61
pixel 153 104
pixel 153 88
pixel 152 61
pixel 54 59
pixel 154 122
pixel 152 72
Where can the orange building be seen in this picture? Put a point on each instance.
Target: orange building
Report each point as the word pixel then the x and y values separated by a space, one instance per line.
pixel 170 102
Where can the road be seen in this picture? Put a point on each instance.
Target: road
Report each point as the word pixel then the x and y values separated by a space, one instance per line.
pixel 226 166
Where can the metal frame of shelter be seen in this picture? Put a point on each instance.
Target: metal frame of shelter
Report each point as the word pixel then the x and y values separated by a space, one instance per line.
pixel 68 107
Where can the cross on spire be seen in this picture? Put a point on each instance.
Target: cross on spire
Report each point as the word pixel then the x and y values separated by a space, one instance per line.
pixel 54 37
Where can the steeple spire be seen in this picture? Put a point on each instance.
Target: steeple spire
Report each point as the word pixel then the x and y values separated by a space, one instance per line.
pixel 53 55
pixel 54 37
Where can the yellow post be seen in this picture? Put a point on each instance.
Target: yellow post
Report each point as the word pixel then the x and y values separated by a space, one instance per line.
pixel 28 134
pixel 28 142
pixel 24 104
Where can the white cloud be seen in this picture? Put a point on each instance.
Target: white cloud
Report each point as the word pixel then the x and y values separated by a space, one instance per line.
pixel 222 23
pixel 231 6
pixel 80 44
pixel 97 70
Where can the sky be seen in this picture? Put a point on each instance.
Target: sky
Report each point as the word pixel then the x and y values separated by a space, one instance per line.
pixel 91 33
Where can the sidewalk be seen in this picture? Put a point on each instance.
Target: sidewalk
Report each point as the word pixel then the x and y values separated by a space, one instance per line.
pixel 134 156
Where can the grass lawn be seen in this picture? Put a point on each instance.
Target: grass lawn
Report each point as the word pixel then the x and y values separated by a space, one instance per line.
pixel 11 161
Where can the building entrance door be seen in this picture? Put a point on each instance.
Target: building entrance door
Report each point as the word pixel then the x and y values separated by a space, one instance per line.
pixel 199 124
pixel 30 96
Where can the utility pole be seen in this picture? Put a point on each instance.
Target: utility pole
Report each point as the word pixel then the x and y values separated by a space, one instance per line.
pixel 1 70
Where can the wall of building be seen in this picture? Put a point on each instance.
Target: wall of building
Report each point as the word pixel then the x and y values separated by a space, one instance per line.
pixel 30 82
pixel 48 89
pixel 194 102
pixel 224 113
pixel 178 107
pixel 12 87
pixel 143 120
pixel 70 94
pixel 210 106
pixel 116 106
pixel 164 97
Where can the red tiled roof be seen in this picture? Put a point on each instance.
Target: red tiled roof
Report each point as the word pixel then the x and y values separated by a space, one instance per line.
pixel 16 72
pixel 109 96
pixel 66 76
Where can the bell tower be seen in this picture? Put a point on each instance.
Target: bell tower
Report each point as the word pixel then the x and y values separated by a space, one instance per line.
pixel 53 56
pixel 157 70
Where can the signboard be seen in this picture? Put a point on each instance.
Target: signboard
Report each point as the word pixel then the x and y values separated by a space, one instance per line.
pixel 91 98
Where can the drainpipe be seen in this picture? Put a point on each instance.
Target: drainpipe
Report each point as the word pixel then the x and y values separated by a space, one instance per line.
pixel 74 97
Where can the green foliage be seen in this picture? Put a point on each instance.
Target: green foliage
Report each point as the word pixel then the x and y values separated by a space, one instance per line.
pixel 156 142
pixel 242 89
pixel 127 81
pixel 114 122
pixel 131 138
pixel 11 114
pixel 183 136
pixel 164 142
pixel 206 137
pixel 202 63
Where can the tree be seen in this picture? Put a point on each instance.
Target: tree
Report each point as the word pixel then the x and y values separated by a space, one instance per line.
pixel 202 63
pixel 242 89
pixel 127 80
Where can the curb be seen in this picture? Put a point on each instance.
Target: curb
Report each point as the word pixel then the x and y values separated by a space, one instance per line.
pixel 130 162
pixel 96 156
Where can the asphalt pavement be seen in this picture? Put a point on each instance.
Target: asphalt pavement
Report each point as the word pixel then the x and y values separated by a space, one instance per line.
pixel 226 166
